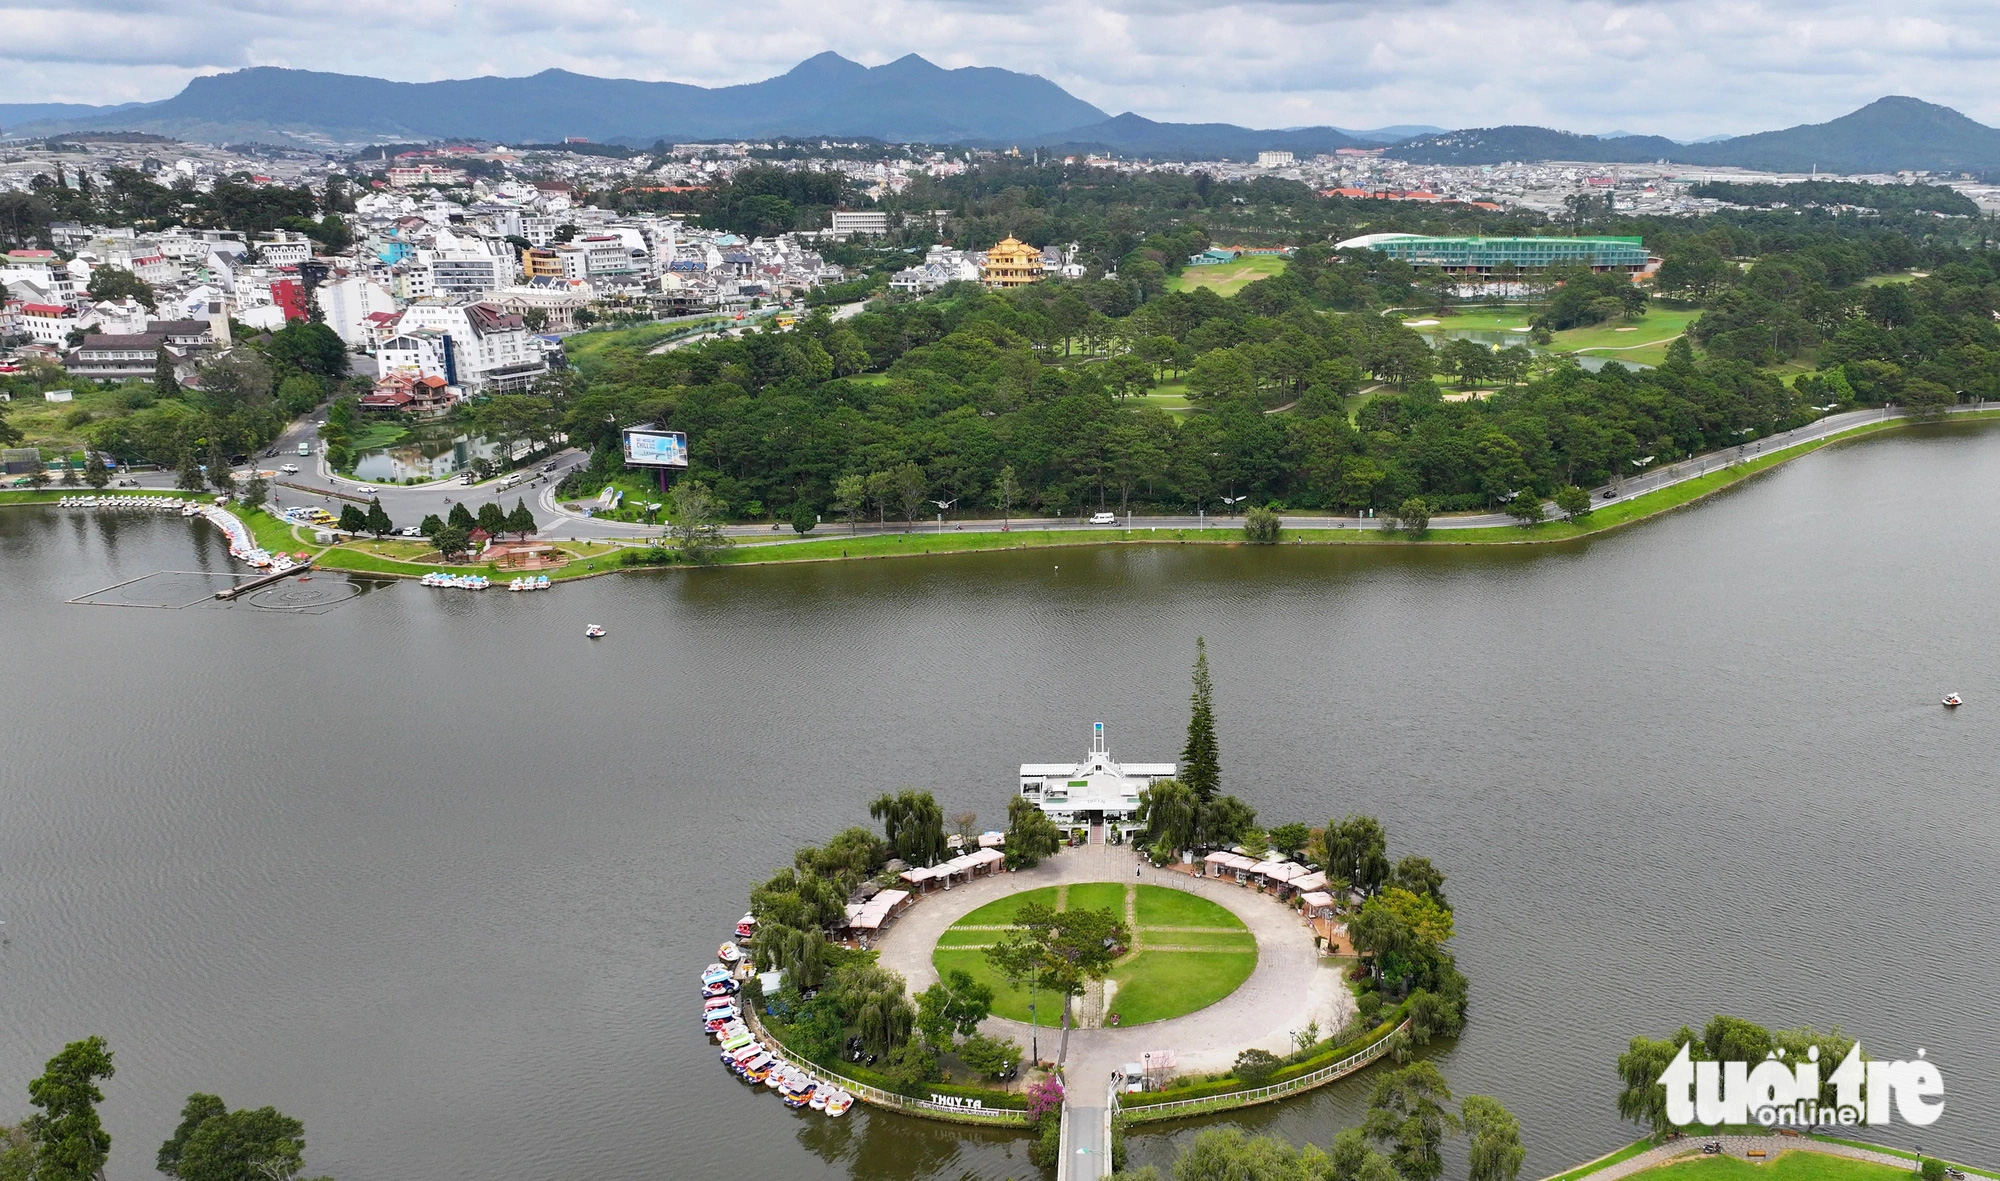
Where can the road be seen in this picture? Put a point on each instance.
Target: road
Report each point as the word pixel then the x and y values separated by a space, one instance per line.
pixel 409 504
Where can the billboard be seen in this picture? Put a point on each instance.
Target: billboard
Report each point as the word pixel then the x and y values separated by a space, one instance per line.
pixel 648 447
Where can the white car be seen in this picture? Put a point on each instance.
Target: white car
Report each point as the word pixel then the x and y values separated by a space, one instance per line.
pixel 290 469
pixel 1104 518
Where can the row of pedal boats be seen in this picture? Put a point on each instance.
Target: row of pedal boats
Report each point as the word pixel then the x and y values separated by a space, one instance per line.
pixel 439 578
pixel 747 1059
pixel 158 504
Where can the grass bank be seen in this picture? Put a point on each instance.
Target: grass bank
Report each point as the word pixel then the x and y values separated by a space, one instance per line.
pixel 1604 1162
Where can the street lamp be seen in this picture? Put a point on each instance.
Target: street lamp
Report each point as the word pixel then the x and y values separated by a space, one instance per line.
pixel 1233 501
pixel 943 506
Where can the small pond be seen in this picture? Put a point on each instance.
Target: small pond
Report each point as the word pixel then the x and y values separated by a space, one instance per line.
pixel 422 455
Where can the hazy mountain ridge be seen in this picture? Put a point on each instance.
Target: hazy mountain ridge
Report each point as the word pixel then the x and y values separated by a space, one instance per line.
pixel 912 100
pixel 1888 135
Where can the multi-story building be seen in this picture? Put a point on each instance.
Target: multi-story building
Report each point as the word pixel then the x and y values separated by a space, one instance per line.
pixel 1011 263
pixel 467 274
pixel 849 222
pixel 539 262
pixel 1485 255
pixel 1275 159
pixel 486 350
pixel 1096 791
pixel 417 175
pixel 283 248
pixel 48 323
pixel 347 303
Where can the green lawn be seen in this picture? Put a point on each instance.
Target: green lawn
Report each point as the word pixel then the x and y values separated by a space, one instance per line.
pixel 1230 277
pixel 1001 911
pixel 1898 277
pixel 48 424
pixel 1482 320
pixel 957 938
pixel 1097 896
pixel 1146 985
pixel 1199 940
pixel 1155 985
pixel 1798 1165
pixel 1159 906
pixel 1626 1153
pixel 1008 1001
pixel 1642 342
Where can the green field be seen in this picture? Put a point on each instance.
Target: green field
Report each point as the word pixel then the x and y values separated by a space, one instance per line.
pixel 60 425
pixel 1001 911
pixel 1097 896
pixel 1792 1165
pixel 1643 342
pixel 1159 906
pixel 1500 320
pixel 1144 985
pixel 1230 277
pixel 1201 940
pixel 1156 985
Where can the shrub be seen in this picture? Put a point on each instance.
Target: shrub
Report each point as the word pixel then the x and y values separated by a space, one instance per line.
pixel 1255 1067
pixel 1261 526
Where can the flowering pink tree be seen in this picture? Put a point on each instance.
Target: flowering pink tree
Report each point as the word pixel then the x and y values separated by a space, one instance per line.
pixel 1044 1097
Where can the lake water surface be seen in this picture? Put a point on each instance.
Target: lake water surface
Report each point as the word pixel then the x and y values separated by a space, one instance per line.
pixel 435 874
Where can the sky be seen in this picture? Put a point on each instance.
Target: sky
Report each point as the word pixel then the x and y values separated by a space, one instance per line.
pixel 1682 68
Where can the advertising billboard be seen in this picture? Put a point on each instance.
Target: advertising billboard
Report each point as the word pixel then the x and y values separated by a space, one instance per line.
pixel 647 447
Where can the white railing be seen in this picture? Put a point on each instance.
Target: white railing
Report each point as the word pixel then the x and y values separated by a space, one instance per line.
pixel 1255 1095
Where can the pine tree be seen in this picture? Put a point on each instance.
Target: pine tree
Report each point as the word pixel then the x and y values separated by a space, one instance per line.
pixel 165 384
pixel 190 473
pixel 460 517
pixel 352 519
pixel 521 521
pixel 493 519
pixel 95 472
pixel 378 519
pixel 1201 769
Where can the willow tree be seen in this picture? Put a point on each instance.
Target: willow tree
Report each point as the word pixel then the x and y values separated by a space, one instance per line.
pixel 913 824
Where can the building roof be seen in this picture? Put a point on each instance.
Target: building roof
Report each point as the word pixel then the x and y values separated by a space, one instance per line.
pixel 143 340
pixel 44 309
pixel 178 327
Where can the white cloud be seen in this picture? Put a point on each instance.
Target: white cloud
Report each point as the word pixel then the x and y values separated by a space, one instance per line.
pixel 1676 67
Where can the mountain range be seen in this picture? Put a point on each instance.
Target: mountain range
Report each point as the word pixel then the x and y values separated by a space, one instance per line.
pixel 910 100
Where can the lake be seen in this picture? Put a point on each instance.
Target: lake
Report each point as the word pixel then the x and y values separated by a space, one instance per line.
pixel 435 874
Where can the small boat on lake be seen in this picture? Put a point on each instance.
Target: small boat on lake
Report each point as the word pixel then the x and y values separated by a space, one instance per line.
pixel 1953 701
pixel 595 631
pixel 728 953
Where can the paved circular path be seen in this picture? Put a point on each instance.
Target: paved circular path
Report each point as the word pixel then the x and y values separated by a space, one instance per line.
pixel 1290 988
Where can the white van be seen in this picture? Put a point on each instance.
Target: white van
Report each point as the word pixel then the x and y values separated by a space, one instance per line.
pixel 1104 518
pixel 512 481
pixel 305 448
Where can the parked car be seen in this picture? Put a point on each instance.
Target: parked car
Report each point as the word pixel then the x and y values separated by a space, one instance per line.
pixel 290 469
pixel 1104 518
pixel 409 531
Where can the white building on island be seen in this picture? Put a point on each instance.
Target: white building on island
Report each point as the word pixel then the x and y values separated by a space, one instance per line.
pixel 1097 791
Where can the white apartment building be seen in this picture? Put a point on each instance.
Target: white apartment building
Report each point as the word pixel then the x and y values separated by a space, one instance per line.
pixel 848 222
pixel 282 248
pixel 1276 159
pixel 487 350
pixel 347 303
pixel 465 274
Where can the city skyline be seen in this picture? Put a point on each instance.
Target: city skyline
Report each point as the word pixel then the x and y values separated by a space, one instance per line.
pixel 1650 66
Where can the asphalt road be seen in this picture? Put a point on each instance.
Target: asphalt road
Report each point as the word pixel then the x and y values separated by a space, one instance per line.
pixel 409 504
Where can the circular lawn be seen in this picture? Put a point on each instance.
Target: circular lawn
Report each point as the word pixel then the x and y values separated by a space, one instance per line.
pixel 1186 952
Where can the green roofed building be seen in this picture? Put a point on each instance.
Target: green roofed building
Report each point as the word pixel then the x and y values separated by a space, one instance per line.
pixel 1484 255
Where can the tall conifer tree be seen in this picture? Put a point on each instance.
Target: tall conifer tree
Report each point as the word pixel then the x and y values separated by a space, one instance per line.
pixel 1201 768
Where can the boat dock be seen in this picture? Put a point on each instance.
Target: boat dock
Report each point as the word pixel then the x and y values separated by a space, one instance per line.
pixel 262 581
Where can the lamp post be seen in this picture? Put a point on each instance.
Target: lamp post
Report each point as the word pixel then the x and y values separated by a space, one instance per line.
pixel 943 507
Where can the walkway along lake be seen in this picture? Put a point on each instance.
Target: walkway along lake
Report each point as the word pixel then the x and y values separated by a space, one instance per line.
pixel 432 872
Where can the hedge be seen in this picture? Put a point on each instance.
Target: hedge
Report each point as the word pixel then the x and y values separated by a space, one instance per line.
pixel 1226 1084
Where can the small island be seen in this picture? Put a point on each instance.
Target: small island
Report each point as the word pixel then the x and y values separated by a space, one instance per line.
pixel 1160 960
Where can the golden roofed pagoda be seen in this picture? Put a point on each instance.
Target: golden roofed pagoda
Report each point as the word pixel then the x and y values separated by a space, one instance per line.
pixel 1011 263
